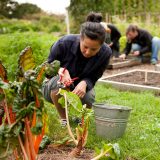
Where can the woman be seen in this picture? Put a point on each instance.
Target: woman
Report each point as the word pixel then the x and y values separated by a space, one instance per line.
pixel 84 56
pixel 112 33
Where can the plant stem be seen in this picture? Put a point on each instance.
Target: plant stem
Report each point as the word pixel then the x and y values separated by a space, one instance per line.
pixel 101 154
pixel 29 134
pixel 146 75
pixel 22 147
pixel 68 125
pixel 5 154
pixel 7 111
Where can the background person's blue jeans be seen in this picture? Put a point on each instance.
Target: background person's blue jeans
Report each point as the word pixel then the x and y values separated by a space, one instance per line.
pixel 137 47
pixel 155 48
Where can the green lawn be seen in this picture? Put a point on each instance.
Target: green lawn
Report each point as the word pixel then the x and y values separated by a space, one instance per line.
pixel 142 137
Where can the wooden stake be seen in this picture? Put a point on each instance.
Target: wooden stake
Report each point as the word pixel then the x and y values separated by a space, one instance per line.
pixel 146 75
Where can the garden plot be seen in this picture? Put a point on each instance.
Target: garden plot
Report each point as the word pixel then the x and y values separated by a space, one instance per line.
pixel 135 80
pixel 119 63
pixel 130 61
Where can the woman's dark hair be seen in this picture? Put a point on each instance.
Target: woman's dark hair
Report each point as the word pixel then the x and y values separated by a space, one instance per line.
pixel 132 28
pixel 94 31
pixel 94 17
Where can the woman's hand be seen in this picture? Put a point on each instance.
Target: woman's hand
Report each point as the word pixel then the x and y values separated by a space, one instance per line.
pixel 64 75
pixel 80 89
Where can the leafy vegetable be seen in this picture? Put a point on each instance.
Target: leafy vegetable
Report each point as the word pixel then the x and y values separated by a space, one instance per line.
pixel 23 105
pixel 51 69
pixel 45 141
pixel 108 152
pixel 26 61
pixel 3 72
pixel 72 102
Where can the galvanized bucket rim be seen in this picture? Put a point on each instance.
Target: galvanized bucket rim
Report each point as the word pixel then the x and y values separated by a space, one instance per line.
pixel 111 107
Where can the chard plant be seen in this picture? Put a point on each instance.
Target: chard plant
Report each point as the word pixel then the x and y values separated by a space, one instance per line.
pixel 73 105
pixel 23 122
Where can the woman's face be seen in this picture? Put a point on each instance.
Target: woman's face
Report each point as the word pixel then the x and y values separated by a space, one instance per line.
pixel 89 47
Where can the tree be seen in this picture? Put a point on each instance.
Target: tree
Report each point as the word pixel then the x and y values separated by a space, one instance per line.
pixel 80 8
pixel 25 9
pixel 7 7
pixel 12 9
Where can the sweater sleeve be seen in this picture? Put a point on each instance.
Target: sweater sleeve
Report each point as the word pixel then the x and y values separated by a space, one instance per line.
pixel 147 47
pixel 127 48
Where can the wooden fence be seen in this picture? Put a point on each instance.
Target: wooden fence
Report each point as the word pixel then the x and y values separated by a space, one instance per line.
pixel 148 18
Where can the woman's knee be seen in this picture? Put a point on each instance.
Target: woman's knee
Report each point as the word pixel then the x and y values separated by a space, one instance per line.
pixel 89 98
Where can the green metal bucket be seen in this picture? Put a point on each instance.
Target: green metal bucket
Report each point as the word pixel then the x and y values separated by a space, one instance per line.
pixel 111 120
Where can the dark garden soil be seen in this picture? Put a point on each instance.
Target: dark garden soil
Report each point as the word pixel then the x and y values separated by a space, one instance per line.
pixel 61 153
pixel 137 77
pixel 124 69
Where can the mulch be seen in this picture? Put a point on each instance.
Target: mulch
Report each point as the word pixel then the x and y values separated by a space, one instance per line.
pixel 61 153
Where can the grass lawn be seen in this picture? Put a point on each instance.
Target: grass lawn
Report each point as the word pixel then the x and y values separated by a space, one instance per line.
pixel 142 137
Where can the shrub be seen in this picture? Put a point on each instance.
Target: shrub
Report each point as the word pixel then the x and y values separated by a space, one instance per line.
pixel 14 43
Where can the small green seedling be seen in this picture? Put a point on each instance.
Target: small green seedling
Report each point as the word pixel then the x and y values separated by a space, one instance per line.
pixel 108 152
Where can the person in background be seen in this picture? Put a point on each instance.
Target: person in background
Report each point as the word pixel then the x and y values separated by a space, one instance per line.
pixel 139 42
pixel 112 33
pixel 85 56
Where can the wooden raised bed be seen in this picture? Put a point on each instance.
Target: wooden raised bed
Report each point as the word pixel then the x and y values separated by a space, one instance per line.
pixel 130 61
pixel 124 63
pixel 135 80
pixel 157 67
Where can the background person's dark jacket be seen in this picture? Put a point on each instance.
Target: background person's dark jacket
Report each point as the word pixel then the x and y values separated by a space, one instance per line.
pixel 115 36
pixel 67 51
pixel 144 39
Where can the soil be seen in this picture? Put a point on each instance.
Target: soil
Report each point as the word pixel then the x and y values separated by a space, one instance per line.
pixel 138 77
pixel 120 70
pixel 61 153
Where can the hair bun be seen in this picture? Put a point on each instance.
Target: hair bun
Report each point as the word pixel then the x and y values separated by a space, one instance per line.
pixel 94 17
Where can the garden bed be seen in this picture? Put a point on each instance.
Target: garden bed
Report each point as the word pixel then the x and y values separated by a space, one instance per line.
pixel 136 80
pixel 61 153
pixel 119 63
pixel 130 61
